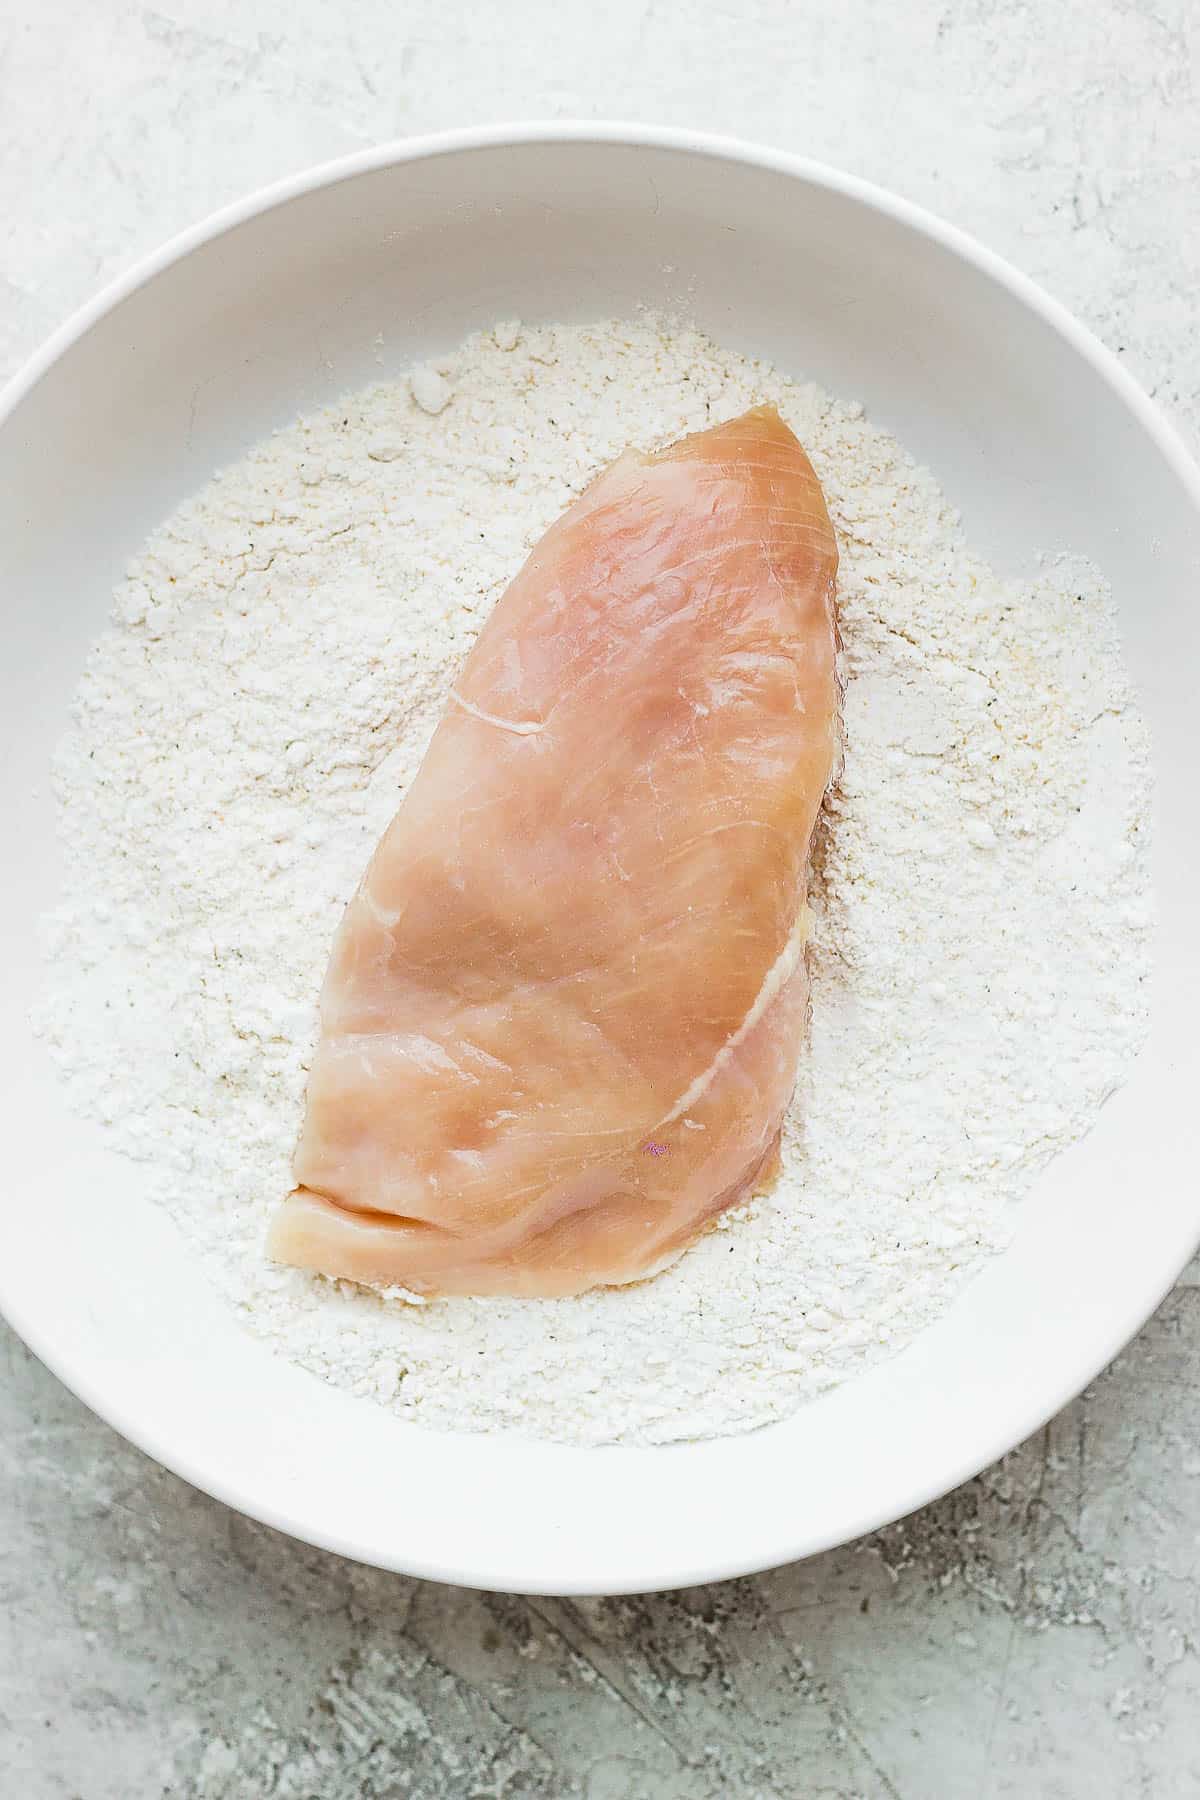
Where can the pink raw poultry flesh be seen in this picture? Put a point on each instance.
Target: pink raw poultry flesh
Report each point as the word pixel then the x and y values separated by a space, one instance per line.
pixel 564 1010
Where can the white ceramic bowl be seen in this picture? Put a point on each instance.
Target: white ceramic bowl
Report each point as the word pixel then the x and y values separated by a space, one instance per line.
pixel 279 303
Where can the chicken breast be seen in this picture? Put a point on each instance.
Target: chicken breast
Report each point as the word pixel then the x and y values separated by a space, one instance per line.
pixel 563 1014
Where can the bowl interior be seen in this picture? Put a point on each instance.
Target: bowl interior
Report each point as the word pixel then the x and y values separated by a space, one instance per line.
pixel 342 283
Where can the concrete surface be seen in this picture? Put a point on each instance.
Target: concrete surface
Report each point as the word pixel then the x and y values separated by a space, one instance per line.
pixel 1037 1633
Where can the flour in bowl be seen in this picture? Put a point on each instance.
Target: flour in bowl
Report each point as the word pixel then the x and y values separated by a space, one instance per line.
pixel 277 660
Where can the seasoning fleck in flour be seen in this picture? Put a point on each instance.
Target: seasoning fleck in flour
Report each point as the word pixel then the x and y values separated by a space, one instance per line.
pixel 278 657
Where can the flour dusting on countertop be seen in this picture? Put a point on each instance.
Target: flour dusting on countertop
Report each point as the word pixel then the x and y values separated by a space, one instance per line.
pixel 278 657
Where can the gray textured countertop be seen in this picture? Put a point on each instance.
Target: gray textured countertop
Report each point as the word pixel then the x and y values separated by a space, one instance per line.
pixel 1035 1634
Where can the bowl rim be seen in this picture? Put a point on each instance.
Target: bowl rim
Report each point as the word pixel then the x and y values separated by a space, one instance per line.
pixel 630 135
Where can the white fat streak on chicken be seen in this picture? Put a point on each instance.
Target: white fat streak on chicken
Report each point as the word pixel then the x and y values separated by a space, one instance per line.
pixel 520 727
pixel 431 1054
pixel 781 970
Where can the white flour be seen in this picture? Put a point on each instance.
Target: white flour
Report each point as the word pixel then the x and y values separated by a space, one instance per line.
pixel 278 657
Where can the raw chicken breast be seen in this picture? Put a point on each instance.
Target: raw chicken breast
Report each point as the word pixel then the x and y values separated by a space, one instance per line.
pixel 564 1010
